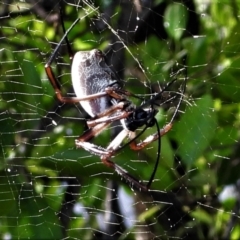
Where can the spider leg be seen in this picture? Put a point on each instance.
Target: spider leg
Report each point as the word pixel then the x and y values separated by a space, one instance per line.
pixel 138 146
pixel 53 79
pixel 111 91
pixel 122 172
pixel 58 92
pixel 107 153
pixel 82 141
pixel 105 118
pixel 109 119
pixel 91 132
pixel 119 93
pixel 112 148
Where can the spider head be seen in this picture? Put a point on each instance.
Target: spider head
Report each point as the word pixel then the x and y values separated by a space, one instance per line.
pixel 140 117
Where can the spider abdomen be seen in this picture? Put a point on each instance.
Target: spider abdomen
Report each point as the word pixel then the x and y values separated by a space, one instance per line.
pixel 91 75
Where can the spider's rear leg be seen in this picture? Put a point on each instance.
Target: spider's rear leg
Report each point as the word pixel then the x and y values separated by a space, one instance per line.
pixel 122 172
pixel 138 146
pixel 107 153
pixel 111 150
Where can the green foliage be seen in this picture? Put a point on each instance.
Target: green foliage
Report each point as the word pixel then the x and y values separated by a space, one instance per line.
pixel 37 133
pixel 197 126
pixel 176 16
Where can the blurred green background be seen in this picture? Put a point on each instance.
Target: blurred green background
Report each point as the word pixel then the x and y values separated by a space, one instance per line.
pixel 44 178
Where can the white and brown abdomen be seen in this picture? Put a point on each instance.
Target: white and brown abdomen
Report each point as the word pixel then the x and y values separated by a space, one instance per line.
pixel 91 75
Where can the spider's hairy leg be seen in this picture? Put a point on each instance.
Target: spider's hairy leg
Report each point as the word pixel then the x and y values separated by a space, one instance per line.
pixel 129 178
pixel 90 133
pixel 105 118
pixel 111 149
pixel 116 94
pixel 82 141
pixel 57 88
pixel 138 146
pixel 121 94
pixel 107 153
pixel 108 119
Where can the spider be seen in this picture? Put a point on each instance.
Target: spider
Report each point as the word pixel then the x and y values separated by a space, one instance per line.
pixel 102 96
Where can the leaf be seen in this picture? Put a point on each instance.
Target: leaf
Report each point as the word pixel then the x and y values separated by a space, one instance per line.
pixel 29 85
pixel 196 130
pixel 228 82
pixel 34 219
pixel 176 16
pixel 28 214
pixel 8 195
pixel 202 216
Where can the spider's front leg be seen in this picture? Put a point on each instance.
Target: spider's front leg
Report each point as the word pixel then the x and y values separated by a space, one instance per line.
pixel 138 146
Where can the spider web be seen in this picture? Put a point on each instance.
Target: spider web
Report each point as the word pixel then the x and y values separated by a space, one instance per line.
pixel 51 190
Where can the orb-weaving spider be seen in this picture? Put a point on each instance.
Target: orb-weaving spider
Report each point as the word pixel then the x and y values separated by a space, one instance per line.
pixel 101 95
